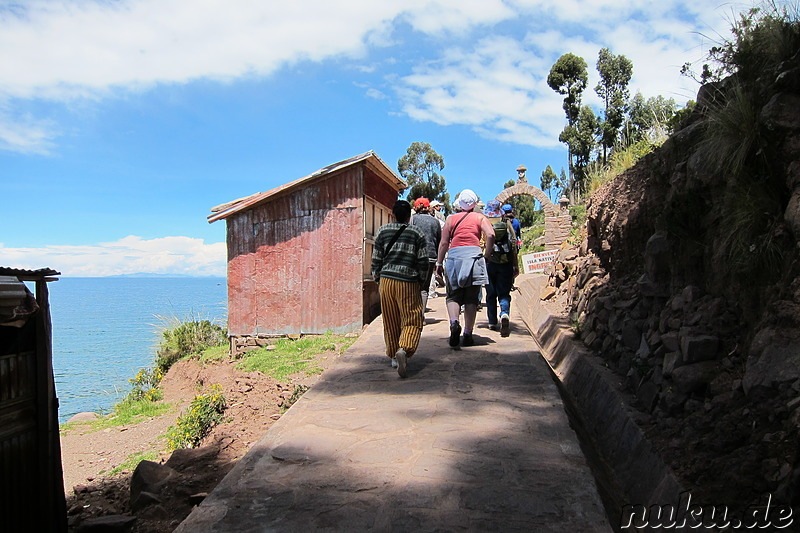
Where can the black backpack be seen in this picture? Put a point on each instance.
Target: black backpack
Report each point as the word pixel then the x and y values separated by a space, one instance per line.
pixel 501 252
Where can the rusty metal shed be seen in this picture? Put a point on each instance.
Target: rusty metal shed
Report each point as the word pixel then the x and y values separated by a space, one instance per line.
pixel 299 255
pixel 31 480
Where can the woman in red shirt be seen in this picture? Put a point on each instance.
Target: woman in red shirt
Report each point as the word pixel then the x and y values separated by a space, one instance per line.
pixel 465 266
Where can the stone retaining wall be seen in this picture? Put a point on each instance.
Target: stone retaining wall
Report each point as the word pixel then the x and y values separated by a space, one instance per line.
pixel 621 443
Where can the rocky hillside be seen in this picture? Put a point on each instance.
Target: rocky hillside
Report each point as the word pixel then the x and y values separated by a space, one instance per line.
pixel 687 282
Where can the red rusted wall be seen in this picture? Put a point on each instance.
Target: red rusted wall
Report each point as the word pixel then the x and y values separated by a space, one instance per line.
pixel 295 262
pixel 378 189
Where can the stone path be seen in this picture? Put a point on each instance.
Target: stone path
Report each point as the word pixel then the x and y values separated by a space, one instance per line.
pixel 473 440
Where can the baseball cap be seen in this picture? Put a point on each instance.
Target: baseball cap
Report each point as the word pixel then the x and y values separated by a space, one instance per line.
pixel 421 202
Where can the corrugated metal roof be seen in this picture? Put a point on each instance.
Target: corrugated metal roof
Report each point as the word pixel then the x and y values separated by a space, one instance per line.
pixel 379 167
pixel 28 275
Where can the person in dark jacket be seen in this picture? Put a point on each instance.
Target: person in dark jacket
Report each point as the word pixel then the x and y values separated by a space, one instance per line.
pixel 400 265
pixel 432 231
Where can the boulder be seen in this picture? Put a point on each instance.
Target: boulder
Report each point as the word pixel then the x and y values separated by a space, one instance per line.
pixel 779 363
pixel 149 477
pixel 694 377
pixel 697 348
pixel 83 417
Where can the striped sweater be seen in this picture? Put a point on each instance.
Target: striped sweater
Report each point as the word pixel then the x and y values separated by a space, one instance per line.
pixel 408 258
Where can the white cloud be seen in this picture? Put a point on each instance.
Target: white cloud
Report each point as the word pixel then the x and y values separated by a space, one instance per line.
pixel 61 50
pixel 129 255
pixel 497 88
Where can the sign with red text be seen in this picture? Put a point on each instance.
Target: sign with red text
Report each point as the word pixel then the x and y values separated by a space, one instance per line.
pixel 536 262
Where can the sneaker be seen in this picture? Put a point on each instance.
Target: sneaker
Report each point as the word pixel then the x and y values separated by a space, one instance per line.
pixel 494 327
pixel 455 332
pixel 468 340
pixel 400 357
pixel 394 362
pixel 505 330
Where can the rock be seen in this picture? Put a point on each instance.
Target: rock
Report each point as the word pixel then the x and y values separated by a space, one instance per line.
pixel 779 363
pixel 643 352
pixel 154 512
pixel 149 477
pixel 648 395
pixel 694 377
pixel 792 213
pixel 83 417
pixel 547 292
pixel 697 348
pixel 670 341
pixel 782 113
pixel 671 361
pixel 631 335
pixel 671 400
pixel 590 338
pixel 691 294
pixel 142 500
pixel 107 524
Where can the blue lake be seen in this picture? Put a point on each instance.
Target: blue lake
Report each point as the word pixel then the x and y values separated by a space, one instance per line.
pixel 106 329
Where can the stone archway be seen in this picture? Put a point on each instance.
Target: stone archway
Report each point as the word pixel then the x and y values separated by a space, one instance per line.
pixel 557 220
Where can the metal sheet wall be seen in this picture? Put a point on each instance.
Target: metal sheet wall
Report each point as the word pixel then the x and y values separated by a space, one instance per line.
pixel 295 262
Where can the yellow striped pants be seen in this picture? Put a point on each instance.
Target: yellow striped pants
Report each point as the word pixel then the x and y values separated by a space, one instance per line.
pixel 401 307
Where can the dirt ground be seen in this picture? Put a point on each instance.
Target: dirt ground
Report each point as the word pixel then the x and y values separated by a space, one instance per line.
pixel 254 402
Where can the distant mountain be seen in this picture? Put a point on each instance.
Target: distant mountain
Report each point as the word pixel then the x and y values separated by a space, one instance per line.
pixel 155 275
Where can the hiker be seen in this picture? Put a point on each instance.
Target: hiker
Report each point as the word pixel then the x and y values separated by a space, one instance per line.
pixel 399 266
pixel 465 267
pixel 508 214
pixel 502 269
pixel 432 231
pixel 437 211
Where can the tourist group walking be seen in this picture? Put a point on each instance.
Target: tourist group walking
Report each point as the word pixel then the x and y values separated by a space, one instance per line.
pixel 466 250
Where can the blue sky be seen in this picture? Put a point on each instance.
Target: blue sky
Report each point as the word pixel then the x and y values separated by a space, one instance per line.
pixel 123 122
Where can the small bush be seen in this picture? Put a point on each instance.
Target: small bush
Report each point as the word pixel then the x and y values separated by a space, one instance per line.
pixel 187 339
pixel 145 385
pixel 204 413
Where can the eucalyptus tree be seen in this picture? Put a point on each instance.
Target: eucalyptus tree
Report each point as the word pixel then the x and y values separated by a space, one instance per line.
pixel 568 76
pixel 615 74
pixel 581 140
pixel 649 118
pixel 420 168
pixel 549 180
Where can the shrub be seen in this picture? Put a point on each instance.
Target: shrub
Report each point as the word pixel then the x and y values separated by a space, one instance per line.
pixel 187 339
pixel 204 413
pixel 145 385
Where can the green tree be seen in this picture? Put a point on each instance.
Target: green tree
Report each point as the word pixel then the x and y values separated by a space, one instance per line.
pixel 649 119
pixel 549 180
pixel 615 74
pixel 568 76
pixel 562 183
pixel 420 168
pixel 581 140
pixel 524 206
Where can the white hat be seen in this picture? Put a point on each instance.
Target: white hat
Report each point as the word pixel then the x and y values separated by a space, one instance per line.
pixel 467 199
pixel 435 203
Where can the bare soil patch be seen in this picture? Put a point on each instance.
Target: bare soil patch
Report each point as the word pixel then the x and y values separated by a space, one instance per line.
pixel 254 400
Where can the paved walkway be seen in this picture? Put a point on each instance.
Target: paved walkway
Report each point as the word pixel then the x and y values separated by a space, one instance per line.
pixel 473 440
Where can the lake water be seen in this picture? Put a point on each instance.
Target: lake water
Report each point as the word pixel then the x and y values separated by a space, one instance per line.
pixel 106 329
